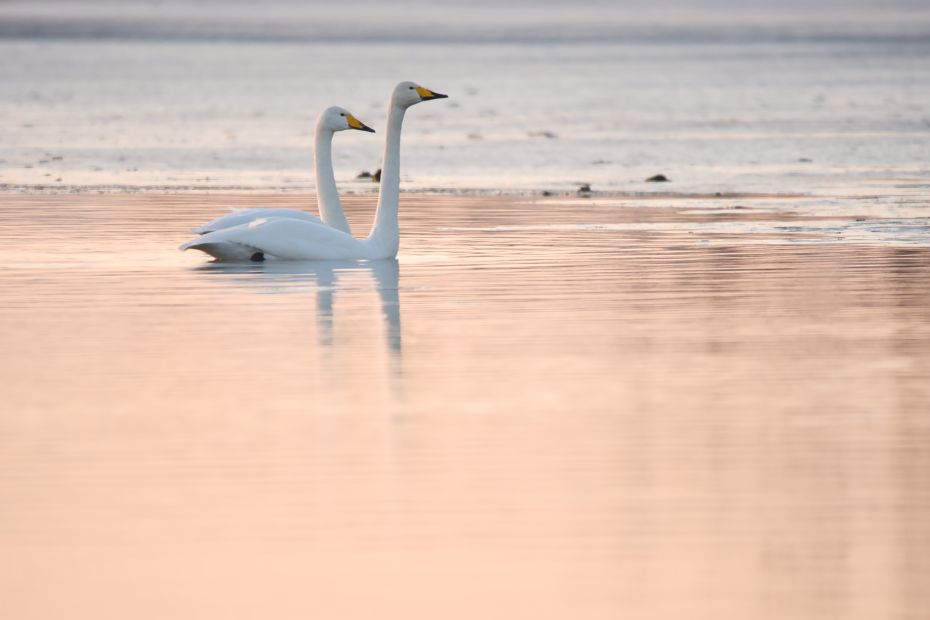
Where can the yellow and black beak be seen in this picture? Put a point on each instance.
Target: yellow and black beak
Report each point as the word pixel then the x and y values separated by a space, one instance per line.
pixel 354 123
pixel 426 94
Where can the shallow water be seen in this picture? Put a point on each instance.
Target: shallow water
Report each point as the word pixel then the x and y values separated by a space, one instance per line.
pixel 561 409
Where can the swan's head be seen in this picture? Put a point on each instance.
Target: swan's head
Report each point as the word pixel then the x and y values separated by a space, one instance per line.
pixel 407 94
pixel 340 119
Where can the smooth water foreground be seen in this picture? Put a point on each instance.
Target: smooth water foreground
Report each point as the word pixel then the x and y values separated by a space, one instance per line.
pixel 542 410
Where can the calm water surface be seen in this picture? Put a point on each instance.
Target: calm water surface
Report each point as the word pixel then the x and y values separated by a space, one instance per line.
pixel 541 410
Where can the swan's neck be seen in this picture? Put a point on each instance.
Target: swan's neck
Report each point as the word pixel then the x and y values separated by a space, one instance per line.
pixel 326 193
pixel 385 235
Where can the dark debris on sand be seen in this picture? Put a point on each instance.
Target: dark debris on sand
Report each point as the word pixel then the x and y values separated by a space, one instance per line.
pixel 374 176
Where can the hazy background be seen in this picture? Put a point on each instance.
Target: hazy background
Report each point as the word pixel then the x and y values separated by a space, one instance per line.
pixel 719 96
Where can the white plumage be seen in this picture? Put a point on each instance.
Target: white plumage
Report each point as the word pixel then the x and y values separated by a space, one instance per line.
pixel 328 123
pixel 285 238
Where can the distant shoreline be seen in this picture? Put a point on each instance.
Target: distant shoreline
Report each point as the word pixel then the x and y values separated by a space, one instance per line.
pixel 57 189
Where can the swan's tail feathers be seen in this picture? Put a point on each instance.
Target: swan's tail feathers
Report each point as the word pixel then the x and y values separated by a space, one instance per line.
pixel 227 251
pixel 209 227
pixel 220 222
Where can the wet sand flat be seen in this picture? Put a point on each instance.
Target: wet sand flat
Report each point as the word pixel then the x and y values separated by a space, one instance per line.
pixel 663 406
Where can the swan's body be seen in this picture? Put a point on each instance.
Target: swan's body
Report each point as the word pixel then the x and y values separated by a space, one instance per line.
pixel 329 122
pixel 286 239
pixel 293 239
pixel 243 216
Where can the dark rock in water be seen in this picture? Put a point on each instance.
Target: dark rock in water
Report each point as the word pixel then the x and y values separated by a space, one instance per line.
pixel 541 134
pixel 805 160
pixel 546 192
pixel 659 178
pixel 257 257
pixel 584 189
pixel 376 176
pixel 364 174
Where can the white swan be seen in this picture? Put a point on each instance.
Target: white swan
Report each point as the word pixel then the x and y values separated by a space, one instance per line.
pixel 291 239
pixel 328 123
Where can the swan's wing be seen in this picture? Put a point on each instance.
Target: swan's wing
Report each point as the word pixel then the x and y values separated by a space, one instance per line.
pixel 237 217
pixel 280 238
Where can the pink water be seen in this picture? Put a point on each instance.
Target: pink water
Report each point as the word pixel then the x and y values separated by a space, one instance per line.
pixel 541 410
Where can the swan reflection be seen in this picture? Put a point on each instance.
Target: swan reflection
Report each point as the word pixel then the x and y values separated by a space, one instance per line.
pixel 323 278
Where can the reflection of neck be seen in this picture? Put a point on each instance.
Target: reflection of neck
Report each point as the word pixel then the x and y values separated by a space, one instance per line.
pixel 387 279
pixel 385 235
pixel 327 195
